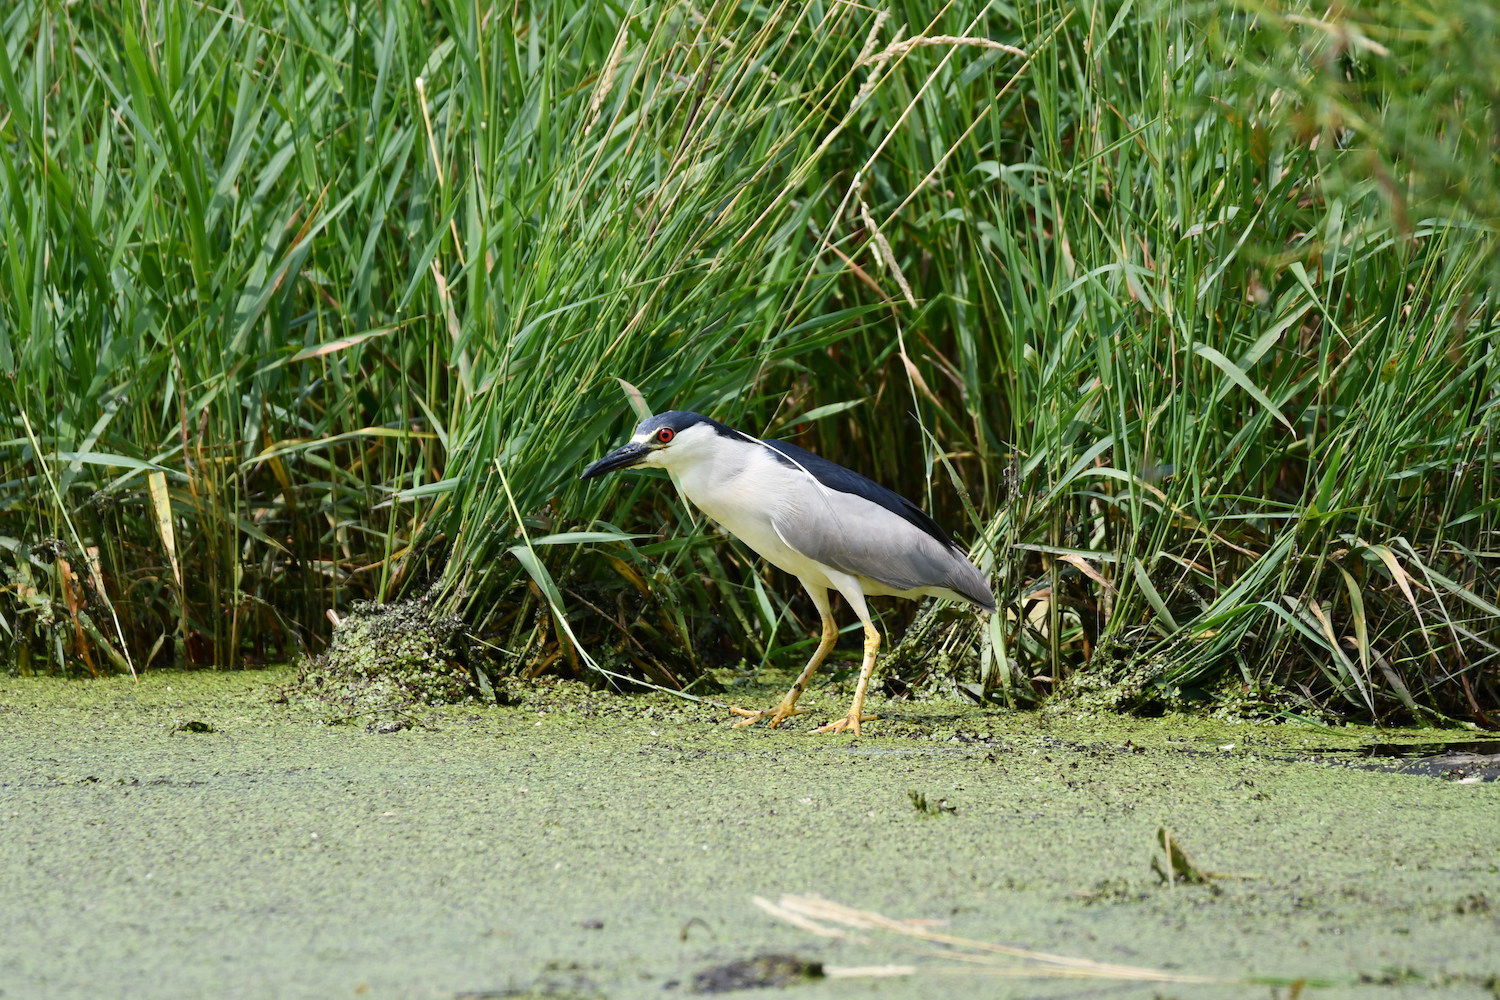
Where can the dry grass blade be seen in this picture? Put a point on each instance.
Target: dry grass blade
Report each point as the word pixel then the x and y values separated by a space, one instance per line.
pixel 902 47
pixel 796 919
pixel 1086 568
pixel 638 404
pixel 884 253
pixel 814 914
pixel 868 971
pixel 161 504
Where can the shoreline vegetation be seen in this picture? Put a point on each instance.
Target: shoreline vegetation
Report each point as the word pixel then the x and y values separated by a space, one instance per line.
pixel 1181 316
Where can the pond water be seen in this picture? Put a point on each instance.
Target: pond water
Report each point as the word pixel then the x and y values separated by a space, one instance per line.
pixel 185 837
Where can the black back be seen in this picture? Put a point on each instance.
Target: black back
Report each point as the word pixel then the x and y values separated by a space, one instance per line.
pixel 836 477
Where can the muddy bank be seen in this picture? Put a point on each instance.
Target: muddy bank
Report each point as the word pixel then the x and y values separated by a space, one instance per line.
pixel 184 837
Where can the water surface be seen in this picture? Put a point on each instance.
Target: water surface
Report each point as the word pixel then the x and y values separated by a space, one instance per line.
pixel 184 837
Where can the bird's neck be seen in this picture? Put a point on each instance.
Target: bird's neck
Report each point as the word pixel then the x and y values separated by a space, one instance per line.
pixel 717 483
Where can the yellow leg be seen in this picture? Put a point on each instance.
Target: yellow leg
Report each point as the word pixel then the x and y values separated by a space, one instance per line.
pixel 788 706
pixel 857 707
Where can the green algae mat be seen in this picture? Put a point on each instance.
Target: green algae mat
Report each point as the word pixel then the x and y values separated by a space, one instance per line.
pixel 186 837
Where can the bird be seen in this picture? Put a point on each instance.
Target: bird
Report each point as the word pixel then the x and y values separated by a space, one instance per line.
pixel 829 526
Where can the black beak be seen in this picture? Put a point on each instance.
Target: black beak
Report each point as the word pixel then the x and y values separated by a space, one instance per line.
pixel 620 458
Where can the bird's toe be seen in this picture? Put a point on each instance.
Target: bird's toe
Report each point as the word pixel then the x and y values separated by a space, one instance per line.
pixel 776 715
pixel 751 717
pixel 849 723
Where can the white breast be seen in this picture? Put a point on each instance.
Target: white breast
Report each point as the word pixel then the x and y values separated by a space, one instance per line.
pixel 742 488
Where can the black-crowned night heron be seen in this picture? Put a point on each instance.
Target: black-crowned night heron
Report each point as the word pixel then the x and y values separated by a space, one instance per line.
pixel 828 526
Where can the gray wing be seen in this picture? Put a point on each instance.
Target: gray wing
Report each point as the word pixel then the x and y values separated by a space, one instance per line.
pixel 857 536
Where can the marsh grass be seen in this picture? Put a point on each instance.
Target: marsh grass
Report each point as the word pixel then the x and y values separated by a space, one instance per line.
pixel 1181 314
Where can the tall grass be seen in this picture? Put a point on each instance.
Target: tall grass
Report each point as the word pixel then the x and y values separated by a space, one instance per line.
pixel 306 303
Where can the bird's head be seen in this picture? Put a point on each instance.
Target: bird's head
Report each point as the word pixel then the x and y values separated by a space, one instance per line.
pixel 672 440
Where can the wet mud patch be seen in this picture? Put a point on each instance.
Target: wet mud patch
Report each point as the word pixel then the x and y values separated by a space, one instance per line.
pixel 1466 761
pixel 759 972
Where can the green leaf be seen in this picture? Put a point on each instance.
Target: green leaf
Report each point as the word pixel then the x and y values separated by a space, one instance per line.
pixel 1239 378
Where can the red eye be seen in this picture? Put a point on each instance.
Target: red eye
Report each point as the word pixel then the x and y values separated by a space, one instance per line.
pixel 665 435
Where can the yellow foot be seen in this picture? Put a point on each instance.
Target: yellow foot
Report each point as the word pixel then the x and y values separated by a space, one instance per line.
pixel 777 715
pixel 850 722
